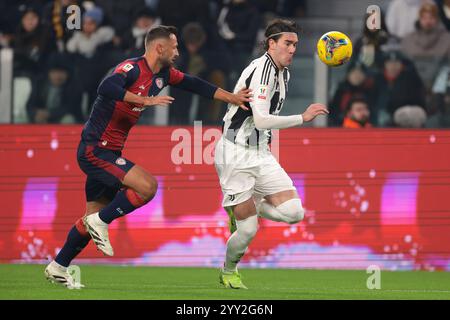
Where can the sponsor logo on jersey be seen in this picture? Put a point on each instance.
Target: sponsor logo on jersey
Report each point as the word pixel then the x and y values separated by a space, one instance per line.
pixel 127 67
pixel 142 87
pixel 159 82
pixel 121 161
pixel 262 92
pixel 138 109
pixel 104 142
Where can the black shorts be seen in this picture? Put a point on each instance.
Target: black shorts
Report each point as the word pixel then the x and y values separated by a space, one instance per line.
pixel 105 170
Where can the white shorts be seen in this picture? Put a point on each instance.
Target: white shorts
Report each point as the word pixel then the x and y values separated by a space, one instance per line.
pixel 246 172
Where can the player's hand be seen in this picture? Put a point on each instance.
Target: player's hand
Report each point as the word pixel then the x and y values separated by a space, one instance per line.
pixel 241 97
pixel 313 111
pixel 157 101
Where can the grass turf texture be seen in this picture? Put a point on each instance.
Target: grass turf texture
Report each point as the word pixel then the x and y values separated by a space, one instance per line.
pixel 112 282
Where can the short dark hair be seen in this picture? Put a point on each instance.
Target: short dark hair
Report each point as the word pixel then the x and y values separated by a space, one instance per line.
pixel 277 26
pixel 356 99
pixel 160 32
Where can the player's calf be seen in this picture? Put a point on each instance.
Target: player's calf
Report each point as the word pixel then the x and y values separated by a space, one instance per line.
pixel 125 202
pixel 239 241
pixel 77 239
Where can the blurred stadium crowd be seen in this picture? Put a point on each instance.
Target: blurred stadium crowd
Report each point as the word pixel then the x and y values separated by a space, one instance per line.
pixel 398 75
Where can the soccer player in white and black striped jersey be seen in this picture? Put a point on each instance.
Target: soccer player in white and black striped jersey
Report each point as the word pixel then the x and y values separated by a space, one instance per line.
pixel 252 181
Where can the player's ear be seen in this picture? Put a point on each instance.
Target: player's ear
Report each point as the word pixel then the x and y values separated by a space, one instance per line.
pixel 272 43
pixel 159 48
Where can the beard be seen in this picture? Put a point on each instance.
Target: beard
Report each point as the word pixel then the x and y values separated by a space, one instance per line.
pixel 167 62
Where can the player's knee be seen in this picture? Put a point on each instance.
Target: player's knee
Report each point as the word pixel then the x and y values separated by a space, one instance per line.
pixel 297 216
pixel 248 233
pixel 247 228
pixel 293 211
pixel 149 188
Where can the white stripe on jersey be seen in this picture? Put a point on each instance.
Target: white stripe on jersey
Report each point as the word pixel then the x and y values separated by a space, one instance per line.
pixel 269 86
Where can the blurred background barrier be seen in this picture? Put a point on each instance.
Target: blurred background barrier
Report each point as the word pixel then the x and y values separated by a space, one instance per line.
pixel 372 197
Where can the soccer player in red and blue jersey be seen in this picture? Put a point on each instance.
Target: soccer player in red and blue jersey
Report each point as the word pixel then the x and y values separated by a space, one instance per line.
pixel 115 186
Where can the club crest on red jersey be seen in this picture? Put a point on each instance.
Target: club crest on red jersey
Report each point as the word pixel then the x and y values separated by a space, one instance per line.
pixel 159 83
pixel 121 161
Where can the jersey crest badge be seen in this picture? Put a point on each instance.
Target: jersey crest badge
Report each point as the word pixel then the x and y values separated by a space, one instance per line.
pixel 159 83
pixel 121 161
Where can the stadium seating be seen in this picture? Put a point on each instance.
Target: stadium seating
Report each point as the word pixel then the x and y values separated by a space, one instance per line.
pixel 21 92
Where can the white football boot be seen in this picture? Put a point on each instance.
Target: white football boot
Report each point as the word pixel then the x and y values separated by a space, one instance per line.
pixel 56 273
pixel 99 233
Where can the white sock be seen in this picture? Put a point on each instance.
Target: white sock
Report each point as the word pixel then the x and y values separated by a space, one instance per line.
pixel 290 211
pixel 238 242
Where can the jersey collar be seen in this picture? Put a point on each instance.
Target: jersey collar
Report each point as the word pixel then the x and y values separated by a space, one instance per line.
pixel 146 65
pixel 272 61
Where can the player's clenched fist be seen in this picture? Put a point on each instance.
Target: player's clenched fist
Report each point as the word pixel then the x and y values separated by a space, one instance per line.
pixel 313 111
pixel 158 101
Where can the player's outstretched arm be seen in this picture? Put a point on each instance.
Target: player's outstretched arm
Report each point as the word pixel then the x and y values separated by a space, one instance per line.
pixel 147 101
pixel 264 120
pixel 206 89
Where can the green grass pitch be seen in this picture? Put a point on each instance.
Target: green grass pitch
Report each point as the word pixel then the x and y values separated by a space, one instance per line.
pixel 160 283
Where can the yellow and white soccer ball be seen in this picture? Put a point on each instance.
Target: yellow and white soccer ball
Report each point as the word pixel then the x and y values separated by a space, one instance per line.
pixel 334 48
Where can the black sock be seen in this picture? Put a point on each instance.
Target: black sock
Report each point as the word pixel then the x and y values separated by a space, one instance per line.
pixel 118 207
pixel 75 243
